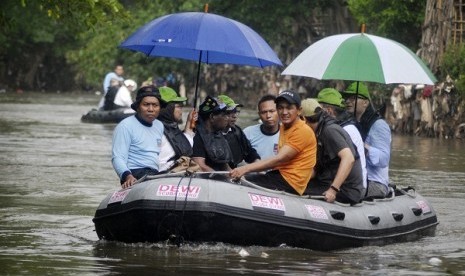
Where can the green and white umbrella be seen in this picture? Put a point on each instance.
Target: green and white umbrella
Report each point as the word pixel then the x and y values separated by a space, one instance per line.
pixel 360 57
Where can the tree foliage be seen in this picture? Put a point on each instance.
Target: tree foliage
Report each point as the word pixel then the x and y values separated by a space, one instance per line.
pixel 55 44
pixel 400 20
pixel 35 35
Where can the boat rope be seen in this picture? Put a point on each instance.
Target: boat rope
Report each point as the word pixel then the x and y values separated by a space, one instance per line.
pixel 177 237
pixel 180 239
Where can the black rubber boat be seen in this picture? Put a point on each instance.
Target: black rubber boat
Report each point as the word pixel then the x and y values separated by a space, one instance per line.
pixel 197 208
pixel 95 116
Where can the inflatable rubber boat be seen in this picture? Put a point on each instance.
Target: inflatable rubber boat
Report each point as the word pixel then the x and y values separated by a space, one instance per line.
pixel 95 116
pixel 210 208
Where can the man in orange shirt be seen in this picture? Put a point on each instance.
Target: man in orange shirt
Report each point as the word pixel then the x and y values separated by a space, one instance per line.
pixel 292 167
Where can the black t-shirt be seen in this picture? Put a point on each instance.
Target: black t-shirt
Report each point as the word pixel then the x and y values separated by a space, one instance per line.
pixel 241 148
pixel 331 140
pixel 200 151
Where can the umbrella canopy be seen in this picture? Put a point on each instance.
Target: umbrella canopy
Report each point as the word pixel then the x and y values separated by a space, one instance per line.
pixel 360 57
pixel 203 37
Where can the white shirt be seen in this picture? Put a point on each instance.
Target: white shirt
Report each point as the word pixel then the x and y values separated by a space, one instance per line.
pixel 358 142
pixel 123 97
pixel 167 151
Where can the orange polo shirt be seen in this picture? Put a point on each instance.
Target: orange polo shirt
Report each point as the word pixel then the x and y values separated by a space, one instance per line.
pixel 297 172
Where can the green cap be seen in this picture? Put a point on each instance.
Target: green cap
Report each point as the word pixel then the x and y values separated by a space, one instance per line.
pixel 168 95
pixel 331 96
pixel 362 90
pixel 230 104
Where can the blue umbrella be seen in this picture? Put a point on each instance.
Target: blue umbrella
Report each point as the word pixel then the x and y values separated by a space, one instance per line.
pixel 203 37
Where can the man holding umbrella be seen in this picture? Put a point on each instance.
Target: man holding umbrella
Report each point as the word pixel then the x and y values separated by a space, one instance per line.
pixel 376 135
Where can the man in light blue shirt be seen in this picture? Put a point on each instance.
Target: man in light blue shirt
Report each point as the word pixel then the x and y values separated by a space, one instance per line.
pixel 137 139
pixel 264 137
pixel 376 135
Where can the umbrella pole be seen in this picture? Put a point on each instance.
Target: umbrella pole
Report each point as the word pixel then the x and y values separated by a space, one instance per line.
pixel 197 82
pixel 356 100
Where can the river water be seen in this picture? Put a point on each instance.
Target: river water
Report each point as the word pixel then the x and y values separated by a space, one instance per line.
pixel 54 171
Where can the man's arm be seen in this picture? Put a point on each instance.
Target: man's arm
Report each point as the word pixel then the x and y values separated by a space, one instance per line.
pixel 345 166
pixel 285 154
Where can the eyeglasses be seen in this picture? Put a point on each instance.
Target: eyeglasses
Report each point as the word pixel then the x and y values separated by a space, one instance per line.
pixel 353 97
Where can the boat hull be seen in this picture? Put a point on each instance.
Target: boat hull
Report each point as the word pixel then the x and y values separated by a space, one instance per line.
pixel 201 210
pixel 95 116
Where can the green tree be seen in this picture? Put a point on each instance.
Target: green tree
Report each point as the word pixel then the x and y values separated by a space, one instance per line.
pixel 35 35
pixel 400 20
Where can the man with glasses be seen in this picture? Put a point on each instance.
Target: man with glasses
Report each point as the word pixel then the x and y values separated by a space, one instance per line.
pixel 240 146
pixel 292 167
pixel 338 171
pixel 376 135
pixel 264 137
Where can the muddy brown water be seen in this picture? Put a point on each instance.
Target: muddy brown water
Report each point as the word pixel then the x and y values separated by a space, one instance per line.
pixel 54 171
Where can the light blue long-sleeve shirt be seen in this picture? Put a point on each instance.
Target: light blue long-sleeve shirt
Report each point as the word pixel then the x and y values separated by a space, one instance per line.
pixel 136 146
pixel 379 152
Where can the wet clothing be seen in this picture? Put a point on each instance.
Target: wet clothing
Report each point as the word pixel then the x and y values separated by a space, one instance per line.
pixel 213 147
pixel 240 146
pixel 297 172
pixel 265 144
pixel 136 145
pixel 331 140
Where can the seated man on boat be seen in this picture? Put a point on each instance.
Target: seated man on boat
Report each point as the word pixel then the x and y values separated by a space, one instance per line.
pixel 240 146
pixel 338 172
pixel 175 142
pixel 211 150
pixel 137 139
pixel 292 167
pixel 264 136
pixel 333 104
pixel 376 136
pixel 123 98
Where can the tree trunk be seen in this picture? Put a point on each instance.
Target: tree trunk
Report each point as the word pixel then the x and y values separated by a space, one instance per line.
pixel 437 30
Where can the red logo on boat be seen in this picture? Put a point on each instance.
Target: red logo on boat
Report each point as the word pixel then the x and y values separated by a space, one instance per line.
pixel 118 196
pixel 268 202
pixel 317 212
pixel 179 191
